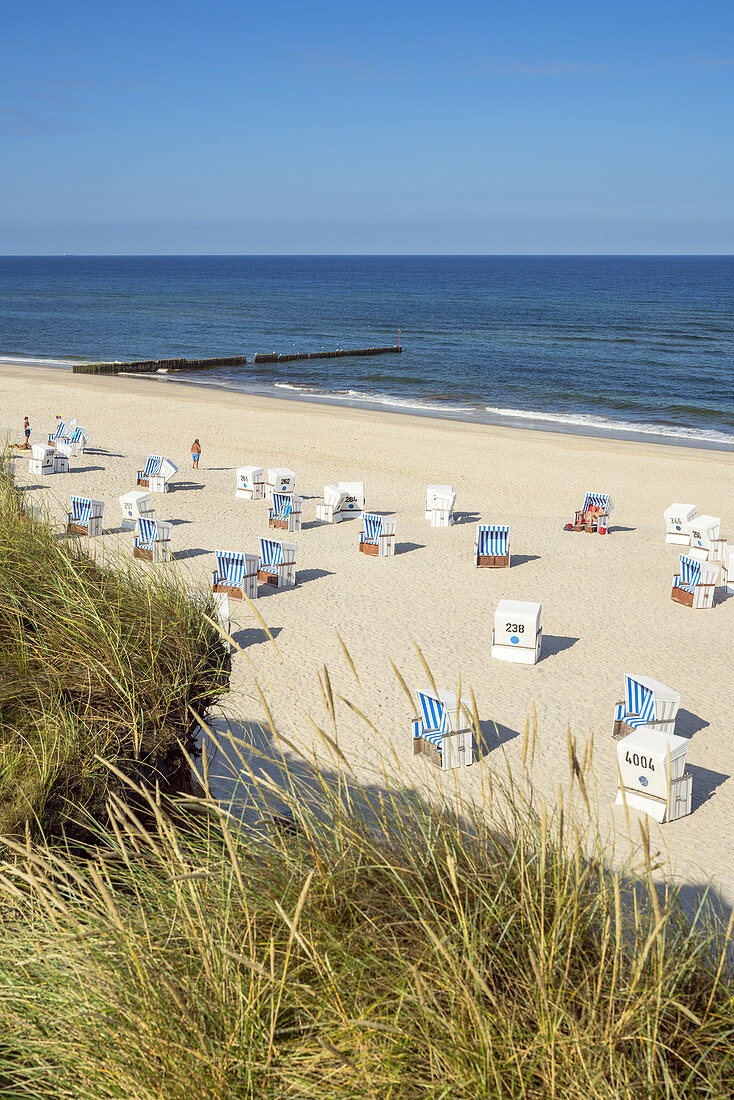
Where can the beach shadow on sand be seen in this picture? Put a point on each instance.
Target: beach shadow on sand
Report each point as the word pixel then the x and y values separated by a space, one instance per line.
pixel 102 454
pixel 688 724
pixel 311 574
pixel 721 596
pixel 554 644
pixel 254 635
pixel 406 547
pixel 705 782
pixel 620 530
pixel 492 736
pixel 85 469
pixel 523 559
pixel 178 486
pixel 178 522
pixel 466 517
pixel 195 552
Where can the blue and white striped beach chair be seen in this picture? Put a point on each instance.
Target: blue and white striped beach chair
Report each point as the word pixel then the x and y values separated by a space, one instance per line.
pixel 377 537
pixel 277 563
pixel 594 516
pixel 157 474
pixel 695 584
pixel 59 434
pixel 492 547
pixel 646 703
pixel 154 541
pixel 152 469
pixel 85 517
pixel 286 513
pixel 440 732
pixel 236 574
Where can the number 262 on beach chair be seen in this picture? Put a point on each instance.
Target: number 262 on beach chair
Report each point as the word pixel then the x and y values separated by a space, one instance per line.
pixel 695 584
pixel 492 547
pixel 277 563
pixel 377 537
pixel 440 734
pixel 286 513
pixel 236 574
pixel 85 517
pixel 154 541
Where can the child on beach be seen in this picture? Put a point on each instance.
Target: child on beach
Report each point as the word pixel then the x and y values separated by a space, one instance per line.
pixel 27 432
pixel 195 454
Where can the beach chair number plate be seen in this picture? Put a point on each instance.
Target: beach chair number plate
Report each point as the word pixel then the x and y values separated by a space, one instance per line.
pixel 515 628
pixel 640 761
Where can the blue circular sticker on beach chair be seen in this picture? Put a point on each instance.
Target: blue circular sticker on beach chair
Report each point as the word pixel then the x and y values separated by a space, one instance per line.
pixel 642 781
pixel 514 639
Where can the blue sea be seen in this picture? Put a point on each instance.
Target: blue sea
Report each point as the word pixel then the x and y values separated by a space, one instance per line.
pixel 610 345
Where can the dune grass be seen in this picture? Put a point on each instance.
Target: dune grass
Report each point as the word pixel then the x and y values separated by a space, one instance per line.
pixel 94 661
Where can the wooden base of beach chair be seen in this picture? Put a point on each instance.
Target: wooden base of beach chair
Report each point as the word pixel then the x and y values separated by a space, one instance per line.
pixel 620 729
pixel 493 561
pixel 422 747
pixel 76 529
pixel 143 482
pixel 279 524
pixel 370 548
pixel 267 578
pixel 228 590
pixel 142 553
pixel 679 595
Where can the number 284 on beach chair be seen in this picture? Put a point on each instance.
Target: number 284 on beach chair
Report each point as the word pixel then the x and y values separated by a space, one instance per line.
pixel 695 585
pixel 440 734
pixel 377 537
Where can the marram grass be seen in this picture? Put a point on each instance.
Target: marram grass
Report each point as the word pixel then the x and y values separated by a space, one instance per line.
pixel 94 662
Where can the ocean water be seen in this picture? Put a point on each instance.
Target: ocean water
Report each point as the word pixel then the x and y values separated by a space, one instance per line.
pixel 597 344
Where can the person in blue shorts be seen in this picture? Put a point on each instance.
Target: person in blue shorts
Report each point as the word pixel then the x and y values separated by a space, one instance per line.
pixel 195 454
pixel 27 432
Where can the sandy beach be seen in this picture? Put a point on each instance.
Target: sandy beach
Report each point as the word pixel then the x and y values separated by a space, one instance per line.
pixel 606 600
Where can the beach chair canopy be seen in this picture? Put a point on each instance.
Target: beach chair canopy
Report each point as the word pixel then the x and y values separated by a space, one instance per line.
pixel 334 496
pixel 704 530
pixel 148 531
pixel 282 505
pixel 42 451
pixel 153 466
pixel 81 509
pixel 435 718
pixel 60 430
pixel 690 574
pixel 372 527
pixel 647 700
pixel 597 500
pixel 230 567
pixel 492 540
pixel 271 552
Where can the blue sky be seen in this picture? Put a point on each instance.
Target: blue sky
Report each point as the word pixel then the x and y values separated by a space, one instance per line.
pixel 384 127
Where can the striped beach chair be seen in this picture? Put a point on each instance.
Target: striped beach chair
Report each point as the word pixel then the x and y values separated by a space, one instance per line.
pixel 377 537
pixel 236 574
pixel 85 517
pixel 59 434
pixel 492 547
pixel 154 541
pixel 439 732
pixel 652 776
pixel 594 516
pixel 157 473
pixel 286 512
pixel 277 563
pixel 695 584
pixel 646 703
pixel 440 502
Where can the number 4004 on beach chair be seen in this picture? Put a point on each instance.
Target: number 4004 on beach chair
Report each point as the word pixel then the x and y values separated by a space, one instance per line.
pixel 441 733
pixel 85 517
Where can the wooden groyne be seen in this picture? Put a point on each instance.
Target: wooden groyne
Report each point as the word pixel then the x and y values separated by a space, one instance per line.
pixel 273 357
pixel 149 366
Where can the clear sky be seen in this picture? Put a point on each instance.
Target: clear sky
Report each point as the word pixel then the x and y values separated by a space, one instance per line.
pixel 405 127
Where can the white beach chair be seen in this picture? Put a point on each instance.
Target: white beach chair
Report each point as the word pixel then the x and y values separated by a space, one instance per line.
pixel 154 541
pixel 492 547
pixel 704 534
pixel 440 502
pixel 441 732
pixel 353 501
pixel 279 480
pixel 134 506
pixel 286 513
pixel 677 518
pixel 221 601
pixel 695 584
pixel 157 474
pixel 42 461
pixel 517 635
pixel 333 510
pixel 727 569
pixel 377 536
pixel 652 774
pixel 250 483
pixel 594 516
pixel 236 574
pixel 277 563
pixel 647 703
pixel 85 517
pixel 61 461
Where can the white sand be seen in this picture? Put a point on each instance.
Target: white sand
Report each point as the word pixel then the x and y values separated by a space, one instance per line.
pixel 606 600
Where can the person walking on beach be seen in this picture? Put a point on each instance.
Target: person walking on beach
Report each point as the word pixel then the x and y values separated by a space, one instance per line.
pixel 27 432
pixel 195 454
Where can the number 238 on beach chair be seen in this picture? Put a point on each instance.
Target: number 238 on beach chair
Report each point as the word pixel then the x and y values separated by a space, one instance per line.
pixel 695 584
pixel 648 704
pixel 277 563
pixel 286 513
pixel 236 574
pixel 492 547
pixel 517 635
pixel 157 473
pixel 85 517
pixel 154 541
pixel 377 537
pixel 440 733
pixel 594 516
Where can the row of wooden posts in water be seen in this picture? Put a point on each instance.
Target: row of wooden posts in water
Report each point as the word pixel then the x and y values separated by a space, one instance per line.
pixel 150 366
